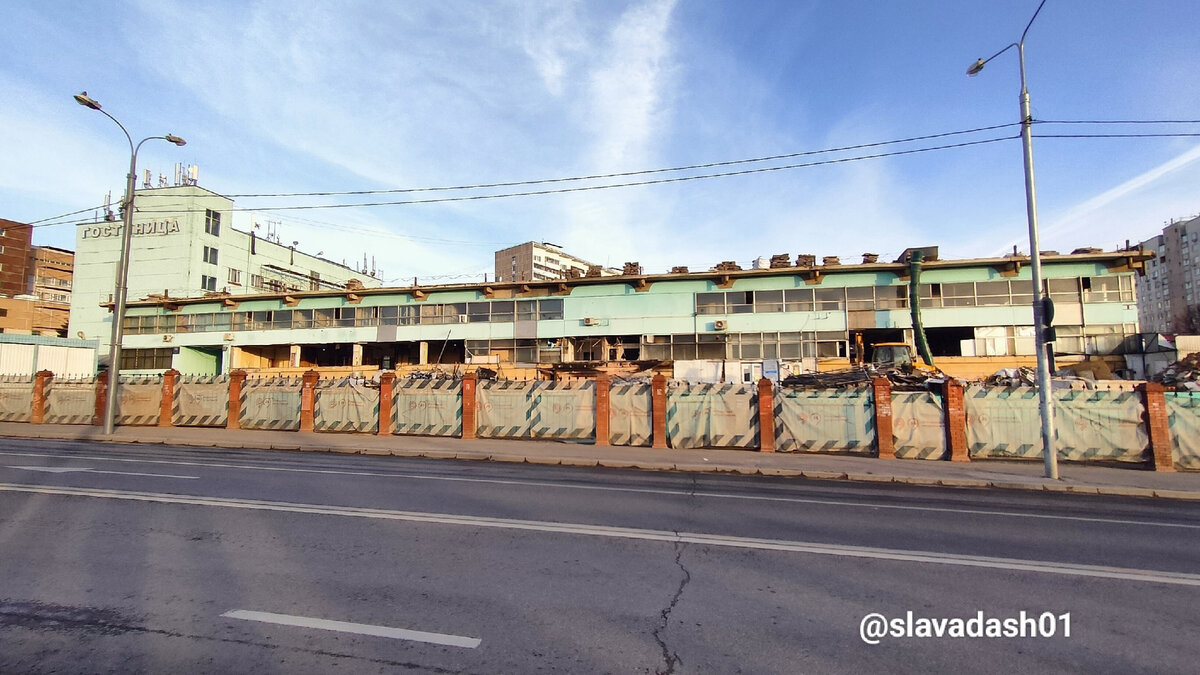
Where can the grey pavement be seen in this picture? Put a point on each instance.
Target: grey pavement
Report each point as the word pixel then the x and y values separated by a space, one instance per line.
pixel 1132 481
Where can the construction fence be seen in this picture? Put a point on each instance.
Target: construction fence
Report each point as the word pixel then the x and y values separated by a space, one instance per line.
pixel 949 421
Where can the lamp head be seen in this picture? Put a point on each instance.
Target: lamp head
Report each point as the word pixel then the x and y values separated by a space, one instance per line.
pixel 175 139
pixel 976 67
pixel 87 101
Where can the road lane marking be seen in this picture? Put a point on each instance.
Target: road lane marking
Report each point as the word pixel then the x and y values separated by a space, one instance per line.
pixel 80 469
pixel 605 488
pixel 357 628
pixel 843 550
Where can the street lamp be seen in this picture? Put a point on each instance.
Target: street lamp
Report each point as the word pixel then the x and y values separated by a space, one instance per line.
pixel 1040 297
pixel 114 352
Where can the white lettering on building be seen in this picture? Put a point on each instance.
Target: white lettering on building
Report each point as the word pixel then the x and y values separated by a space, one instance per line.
pixel 152 227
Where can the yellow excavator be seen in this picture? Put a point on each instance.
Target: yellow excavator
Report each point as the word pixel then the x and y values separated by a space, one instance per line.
pixel 899 356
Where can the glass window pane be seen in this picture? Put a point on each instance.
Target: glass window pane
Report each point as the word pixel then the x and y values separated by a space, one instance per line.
pixel 710 303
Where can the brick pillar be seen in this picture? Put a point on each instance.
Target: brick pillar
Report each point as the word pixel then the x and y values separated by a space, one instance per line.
pixel 236 379
pixel 955 420
pixel 883 417
pixel 167 410
pixel 1156 425
pixel 38 414
pixel 766 415
pixel 386 381
pixel 101 399
pixel 603 389
pixel 308 399
pixel 468 405
pixel 658 403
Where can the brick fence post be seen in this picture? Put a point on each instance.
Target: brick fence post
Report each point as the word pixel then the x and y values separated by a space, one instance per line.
pixel 167 409
pixel 1157 427
pixel 386 381
pixel 658 407
pixel 882 388
pixel 236 379
pixel 603 390
pixel 101 400
pixel 955 420
pixel 766 415
pixel 469 381
pixel 38 414
pixel 308 399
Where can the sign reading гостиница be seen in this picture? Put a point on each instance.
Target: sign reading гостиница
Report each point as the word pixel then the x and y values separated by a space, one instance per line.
pixel 114 230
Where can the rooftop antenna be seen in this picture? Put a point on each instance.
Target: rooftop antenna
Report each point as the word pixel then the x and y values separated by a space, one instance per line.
pixel 146 179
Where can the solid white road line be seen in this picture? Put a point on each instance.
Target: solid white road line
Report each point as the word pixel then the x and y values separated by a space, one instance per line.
pixel 1010 564
pixel 80 469
pixel 357 628
pixel 605 488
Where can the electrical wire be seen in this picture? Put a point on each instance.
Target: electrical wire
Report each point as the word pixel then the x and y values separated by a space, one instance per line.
pixel 626 174
pixel 1193 135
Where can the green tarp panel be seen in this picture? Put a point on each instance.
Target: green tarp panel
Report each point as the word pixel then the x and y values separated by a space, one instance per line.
pixel 271 403
pixel 503 408
pixel 139 401
pixel 1100 425
pixel 428 407
pixel 16 399
pixel 1002 422
pixel 825 420
pixel 1183 421
pixel 712 416
pixel 630 414
pixel 918 426
pixel 201 401
pixel 348 404
pixel 71 401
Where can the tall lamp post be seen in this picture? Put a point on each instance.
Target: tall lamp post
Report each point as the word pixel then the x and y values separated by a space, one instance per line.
pixel 1040 297
pixel 118 329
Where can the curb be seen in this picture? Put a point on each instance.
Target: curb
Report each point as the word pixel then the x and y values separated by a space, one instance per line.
pixel 658 465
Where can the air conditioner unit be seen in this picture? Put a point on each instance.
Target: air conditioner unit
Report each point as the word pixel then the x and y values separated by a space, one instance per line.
pixel 720 324
pixel 591 321
pixel 168 338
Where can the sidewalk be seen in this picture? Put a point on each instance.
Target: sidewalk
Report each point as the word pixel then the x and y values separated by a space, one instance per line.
pixel 1007 475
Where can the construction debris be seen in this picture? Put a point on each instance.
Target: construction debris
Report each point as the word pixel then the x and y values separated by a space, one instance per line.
pixel 1183 375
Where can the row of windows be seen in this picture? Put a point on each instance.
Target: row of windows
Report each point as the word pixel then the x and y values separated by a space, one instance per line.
pixel 500 311
pixel 146 359
pixel 966 294
pixel 51 281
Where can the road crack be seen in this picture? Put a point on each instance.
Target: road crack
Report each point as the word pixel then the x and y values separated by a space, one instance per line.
pixel 671 658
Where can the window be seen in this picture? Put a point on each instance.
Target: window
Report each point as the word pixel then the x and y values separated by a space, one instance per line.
pixel 768 301
pixel 235 276
pixel 550 309
pixel 212 222
pixel 210 255
pixel 798 300
pixel 314 281
pixel 256 281
pixel 860 298
pixel 145 359
pixel 208 283
pixel 710 303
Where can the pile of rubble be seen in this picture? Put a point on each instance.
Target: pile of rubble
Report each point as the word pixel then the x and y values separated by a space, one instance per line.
pixel 1184 374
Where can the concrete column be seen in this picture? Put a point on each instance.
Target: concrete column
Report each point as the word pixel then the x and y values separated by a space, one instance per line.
pixel 423 353
pixel 236 379
pixel 469 382
pixel 40 381
pixel 882 388
pixel 308 399
pixel 1157 427
pixel 766 415
pixel 603 389
pixel 356 354
pixel 658 414
pixel 386 381
pixel 294 356
pixel 166 411
pixel 955 420
pixel 101 400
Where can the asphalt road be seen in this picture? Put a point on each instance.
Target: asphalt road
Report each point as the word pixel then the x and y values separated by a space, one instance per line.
pixel 130 559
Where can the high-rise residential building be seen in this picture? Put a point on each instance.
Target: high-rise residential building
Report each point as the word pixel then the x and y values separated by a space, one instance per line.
pixel 16 258
pixel 1169 294
pixel 53 277
pixel 184 245
pixel 532 261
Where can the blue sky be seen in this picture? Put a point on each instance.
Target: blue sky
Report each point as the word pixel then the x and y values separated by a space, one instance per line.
pixel 284 97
